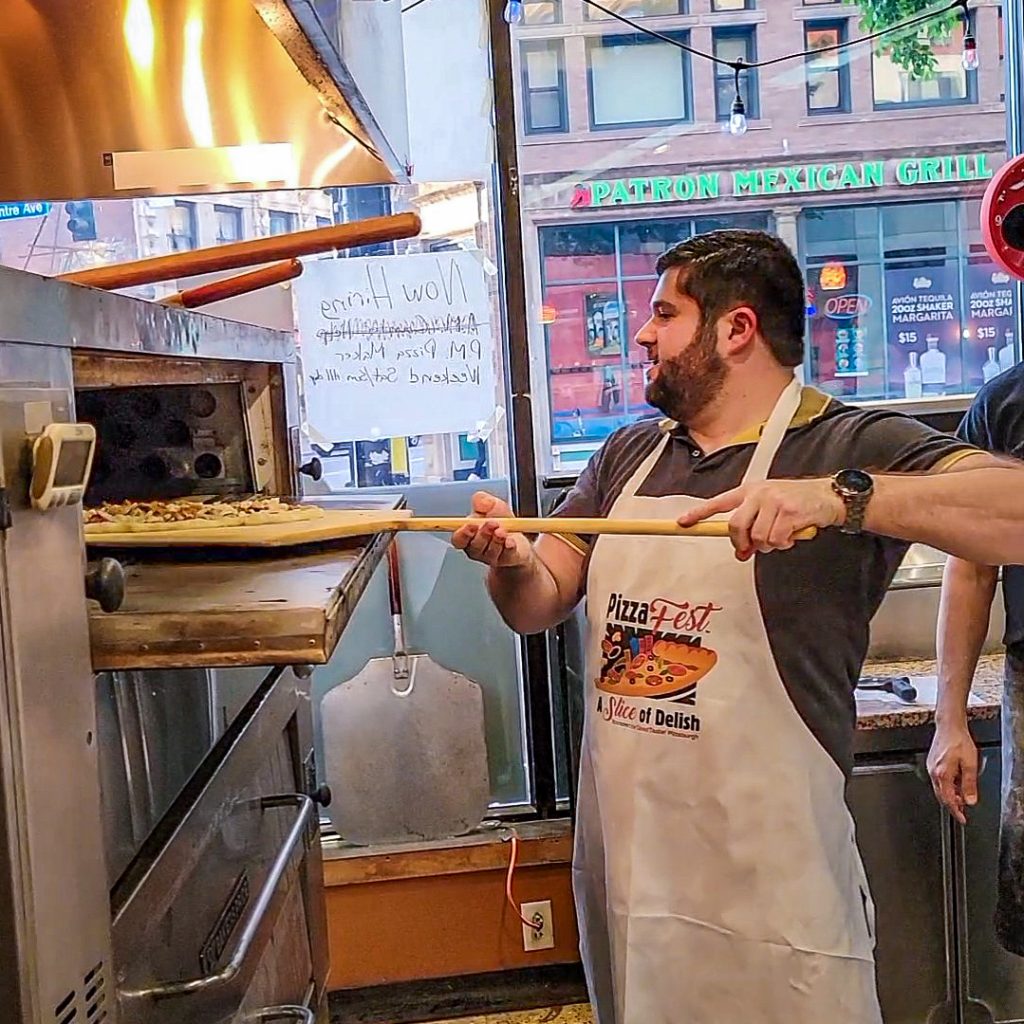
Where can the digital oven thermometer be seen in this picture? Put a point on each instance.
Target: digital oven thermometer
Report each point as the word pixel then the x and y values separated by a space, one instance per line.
pixel 61 462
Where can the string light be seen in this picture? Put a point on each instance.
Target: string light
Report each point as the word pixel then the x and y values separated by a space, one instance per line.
pixel 514 12
pixel 738 115
pixel 969 58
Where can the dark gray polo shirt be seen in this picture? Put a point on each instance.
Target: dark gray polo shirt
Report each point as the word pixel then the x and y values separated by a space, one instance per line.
pixel 818 598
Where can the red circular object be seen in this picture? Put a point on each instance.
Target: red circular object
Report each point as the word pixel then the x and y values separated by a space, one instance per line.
pixel 1004 197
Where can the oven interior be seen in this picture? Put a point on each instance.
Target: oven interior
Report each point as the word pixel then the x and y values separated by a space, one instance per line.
pixel 167 441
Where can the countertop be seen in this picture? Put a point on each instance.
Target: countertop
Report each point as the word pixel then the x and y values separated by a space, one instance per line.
pixel 874 714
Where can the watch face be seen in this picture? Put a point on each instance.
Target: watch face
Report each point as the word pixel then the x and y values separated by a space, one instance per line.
pixel 854 481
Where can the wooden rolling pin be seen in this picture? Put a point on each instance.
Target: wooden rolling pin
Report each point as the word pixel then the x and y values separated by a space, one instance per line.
pixel 231 287
pixel 248 254
pixel 581 527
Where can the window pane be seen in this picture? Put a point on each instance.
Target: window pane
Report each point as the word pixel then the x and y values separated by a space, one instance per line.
pixel 541 67
pixel 820 38
pixel 542 12
pixel 636 83
pixel 732 47
pixel 730 5
pixel 949 83
pixel 636 8
pixel 545 110
pixel 229 223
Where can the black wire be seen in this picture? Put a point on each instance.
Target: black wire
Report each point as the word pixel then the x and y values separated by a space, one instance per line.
pixel 891 30
pixel 415 3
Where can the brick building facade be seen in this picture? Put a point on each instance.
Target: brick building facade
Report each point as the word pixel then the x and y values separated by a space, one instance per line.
pixel 872 176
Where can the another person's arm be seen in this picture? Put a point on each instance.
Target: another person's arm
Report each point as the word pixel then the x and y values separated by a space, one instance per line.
pixel 975 511
pixel 964 609
pixel 533 586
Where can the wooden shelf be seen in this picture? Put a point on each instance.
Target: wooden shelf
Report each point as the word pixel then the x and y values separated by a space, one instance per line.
pixel 265 611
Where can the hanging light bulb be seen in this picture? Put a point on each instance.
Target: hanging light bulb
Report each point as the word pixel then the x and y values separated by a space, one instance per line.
pixel 514 12
pixel 738 114
pixel 970 59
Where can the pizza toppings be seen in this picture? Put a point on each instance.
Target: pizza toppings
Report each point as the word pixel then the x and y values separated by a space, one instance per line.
pixel 192 513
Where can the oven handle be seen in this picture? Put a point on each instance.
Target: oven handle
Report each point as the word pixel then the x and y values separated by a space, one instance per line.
pixel 302 1014
pixel 296 834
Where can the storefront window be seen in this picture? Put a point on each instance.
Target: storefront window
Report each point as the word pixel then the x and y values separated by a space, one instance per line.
pixel 883 218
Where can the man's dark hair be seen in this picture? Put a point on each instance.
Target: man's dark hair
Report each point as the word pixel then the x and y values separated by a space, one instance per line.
pixel 725 269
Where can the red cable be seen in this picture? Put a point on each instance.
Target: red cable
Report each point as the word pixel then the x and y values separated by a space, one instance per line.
pixel 508 883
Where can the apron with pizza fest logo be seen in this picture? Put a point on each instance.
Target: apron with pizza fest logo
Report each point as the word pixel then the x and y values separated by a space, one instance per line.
pixel 716 872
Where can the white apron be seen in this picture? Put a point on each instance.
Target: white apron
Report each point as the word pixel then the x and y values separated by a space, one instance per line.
pixel 716 873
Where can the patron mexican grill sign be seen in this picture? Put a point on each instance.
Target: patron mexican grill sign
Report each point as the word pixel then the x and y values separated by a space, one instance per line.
pixel 778 181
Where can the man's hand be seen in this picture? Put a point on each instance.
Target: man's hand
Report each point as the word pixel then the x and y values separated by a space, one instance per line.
pixel 766 515
pixel 489 543
pixel 953 767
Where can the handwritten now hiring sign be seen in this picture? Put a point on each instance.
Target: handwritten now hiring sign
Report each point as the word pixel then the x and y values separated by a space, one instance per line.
pixel 393 346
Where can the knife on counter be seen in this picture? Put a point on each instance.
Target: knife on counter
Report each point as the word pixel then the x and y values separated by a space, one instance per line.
pixel 901 686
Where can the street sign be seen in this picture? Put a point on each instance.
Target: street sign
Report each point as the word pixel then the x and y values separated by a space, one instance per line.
pixel 15 211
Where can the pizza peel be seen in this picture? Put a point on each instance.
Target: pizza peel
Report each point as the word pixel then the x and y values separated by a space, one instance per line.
pixel 404 745
pixel 337 524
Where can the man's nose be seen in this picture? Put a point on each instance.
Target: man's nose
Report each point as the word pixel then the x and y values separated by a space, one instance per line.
pixel 645 336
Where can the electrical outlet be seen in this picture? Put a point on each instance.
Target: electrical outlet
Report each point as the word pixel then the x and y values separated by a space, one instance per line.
pixel 542 935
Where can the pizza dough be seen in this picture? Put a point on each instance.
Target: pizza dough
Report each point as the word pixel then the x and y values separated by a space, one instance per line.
pixel 193 514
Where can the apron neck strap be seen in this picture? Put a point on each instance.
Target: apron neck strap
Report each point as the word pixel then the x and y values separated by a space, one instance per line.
pixel 772 434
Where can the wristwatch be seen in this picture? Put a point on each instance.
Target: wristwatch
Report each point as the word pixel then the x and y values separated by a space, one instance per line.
pixel 855 487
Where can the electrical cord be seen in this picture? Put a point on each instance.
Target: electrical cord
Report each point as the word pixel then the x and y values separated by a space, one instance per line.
pixel 513 857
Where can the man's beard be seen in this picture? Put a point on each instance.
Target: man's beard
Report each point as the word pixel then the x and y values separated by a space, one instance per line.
pixel 688 383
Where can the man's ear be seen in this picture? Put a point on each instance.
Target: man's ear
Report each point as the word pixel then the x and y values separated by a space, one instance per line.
pixel 741 328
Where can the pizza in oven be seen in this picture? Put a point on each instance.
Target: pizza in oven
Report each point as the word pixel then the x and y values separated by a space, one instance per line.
pixel 193 514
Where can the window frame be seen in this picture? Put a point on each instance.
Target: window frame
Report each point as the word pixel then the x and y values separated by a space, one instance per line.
pixel 534 45
pixel 635 39
pixel 193 224
pixel 235 212
pixel 748 5
pixel 749 78
pixel 589 15
pixel 971 81
pixel 842 70
pixel 291 221
pixel 556 5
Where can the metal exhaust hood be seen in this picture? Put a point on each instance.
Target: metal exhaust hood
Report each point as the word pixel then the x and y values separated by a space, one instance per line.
pixel 121 98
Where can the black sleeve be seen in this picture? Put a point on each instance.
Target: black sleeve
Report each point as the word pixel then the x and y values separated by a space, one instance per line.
pixel 889 442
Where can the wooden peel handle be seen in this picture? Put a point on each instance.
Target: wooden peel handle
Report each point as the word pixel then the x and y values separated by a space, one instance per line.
pixel 239 284
pixel 248 254
pixel 584 527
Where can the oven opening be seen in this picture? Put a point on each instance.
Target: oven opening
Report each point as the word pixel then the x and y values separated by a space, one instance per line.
pixel 164 441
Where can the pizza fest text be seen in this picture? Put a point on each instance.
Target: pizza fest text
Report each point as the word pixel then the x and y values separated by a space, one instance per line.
pixel 661 615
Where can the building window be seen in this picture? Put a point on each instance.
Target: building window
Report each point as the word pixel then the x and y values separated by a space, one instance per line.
pixel 733 44
pixel 636 80
pixel 183 234
pixel 544 101
pixel 732 5
pixel 950 84
pixel 828 72
pixel 542 12
pixel 819 3
pixel 636 9
pixel 229 223
pixel 281 222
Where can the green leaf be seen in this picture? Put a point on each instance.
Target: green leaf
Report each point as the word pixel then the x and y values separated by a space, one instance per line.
pixel 909 49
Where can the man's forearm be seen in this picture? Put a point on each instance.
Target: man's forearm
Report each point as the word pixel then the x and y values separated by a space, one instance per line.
pixel 975 514
pixel 527 597
pixel 964 610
